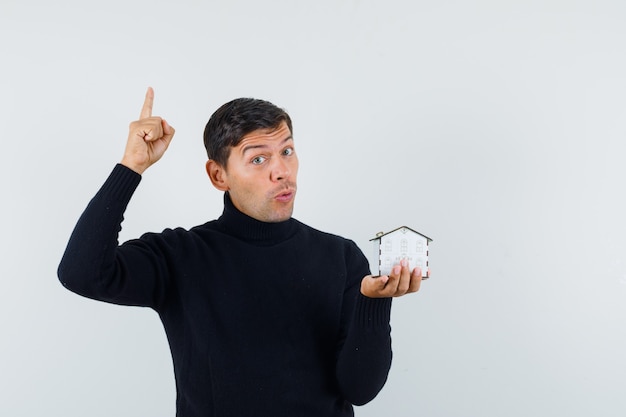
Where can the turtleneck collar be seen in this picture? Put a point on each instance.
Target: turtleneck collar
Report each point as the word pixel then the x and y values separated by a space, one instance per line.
pixel 240 225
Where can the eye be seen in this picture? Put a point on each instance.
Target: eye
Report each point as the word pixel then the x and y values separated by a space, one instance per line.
pixel 258 160
pixel 288 151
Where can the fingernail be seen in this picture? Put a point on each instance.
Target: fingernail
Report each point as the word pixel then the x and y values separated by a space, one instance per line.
pixel 404 262
pixel 396 270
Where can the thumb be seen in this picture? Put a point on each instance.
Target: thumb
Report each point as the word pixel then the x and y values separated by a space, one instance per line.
pixel 379 280
pixel 373 286
pixel 168 130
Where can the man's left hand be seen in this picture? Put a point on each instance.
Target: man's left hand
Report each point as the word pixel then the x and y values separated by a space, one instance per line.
pixel 399 282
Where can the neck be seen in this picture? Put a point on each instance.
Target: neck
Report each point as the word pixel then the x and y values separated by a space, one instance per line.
pixel 240 225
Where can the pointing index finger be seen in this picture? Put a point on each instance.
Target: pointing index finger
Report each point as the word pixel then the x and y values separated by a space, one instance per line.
pixel 146 110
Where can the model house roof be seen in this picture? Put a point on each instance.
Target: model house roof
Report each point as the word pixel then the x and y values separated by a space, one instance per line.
pixel 381 234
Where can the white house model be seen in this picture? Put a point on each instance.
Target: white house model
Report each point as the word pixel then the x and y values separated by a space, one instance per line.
pixel 402 243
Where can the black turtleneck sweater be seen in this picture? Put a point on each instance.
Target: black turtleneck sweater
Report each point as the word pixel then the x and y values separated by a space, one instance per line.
pixel 263 319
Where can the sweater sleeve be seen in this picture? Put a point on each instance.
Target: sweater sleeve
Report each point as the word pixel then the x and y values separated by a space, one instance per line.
pixel 95 266
pixel 364 358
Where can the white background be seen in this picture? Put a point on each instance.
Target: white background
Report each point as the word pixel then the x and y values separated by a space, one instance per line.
pixel 495 127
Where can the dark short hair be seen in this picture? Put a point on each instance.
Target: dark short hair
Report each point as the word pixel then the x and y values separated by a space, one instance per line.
pixel 235 119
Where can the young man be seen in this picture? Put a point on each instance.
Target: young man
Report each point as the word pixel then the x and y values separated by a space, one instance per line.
pixel 265 316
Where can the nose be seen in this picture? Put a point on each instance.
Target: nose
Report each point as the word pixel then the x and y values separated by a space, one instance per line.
pixel 280 170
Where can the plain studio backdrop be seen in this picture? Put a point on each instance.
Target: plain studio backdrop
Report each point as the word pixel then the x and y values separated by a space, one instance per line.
pixel 495 127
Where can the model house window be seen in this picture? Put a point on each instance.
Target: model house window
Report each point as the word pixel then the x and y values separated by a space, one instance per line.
pixel 404 246
pixel 420 247
pixel 388 246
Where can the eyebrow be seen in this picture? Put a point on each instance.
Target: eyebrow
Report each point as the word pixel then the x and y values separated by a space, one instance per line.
pixel 251 147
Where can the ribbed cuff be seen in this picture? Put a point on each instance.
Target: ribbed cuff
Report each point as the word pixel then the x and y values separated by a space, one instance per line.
pixel 372 312
pixel 121 183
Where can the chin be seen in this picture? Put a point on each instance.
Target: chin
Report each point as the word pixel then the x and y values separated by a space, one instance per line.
pixel 277 217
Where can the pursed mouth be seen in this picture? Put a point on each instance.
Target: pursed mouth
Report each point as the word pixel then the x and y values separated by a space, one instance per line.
pixel 285 195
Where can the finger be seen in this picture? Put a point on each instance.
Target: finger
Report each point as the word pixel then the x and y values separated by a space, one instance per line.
pixel 150 130
pixel 404 281
pixel 146 110
pixel 416 280
pixel 393 279
pixel 146 128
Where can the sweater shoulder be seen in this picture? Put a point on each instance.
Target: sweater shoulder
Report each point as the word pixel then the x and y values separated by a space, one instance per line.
pixel 322 235
pixel 175 236
pixel 332 241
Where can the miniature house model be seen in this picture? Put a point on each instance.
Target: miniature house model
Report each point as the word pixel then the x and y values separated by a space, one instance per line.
pixel 402 243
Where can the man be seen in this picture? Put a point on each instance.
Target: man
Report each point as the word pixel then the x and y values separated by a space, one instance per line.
pixel 264 315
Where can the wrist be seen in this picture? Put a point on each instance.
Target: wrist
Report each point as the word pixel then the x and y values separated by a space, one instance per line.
pixel 133 166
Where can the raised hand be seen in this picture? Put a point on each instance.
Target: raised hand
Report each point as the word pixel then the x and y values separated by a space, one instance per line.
pixel 148 138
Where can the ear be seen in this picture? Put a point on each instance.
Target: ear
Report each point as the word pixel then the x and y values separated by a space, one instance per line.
pixel 217 174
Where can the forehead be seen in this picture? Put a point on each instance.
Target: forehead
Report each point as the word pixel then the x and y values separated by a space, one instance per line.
pixel 279 134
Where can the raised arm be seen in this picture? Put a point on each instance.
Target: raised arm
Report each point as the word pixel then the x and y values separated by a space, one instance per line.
pixel 93 264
